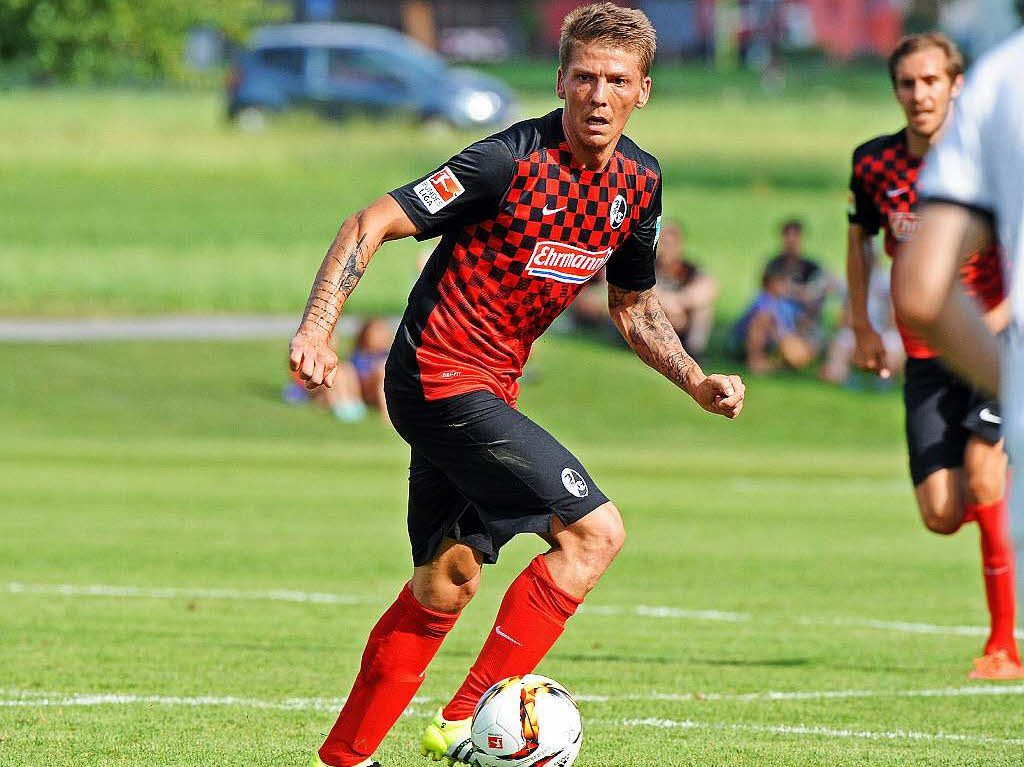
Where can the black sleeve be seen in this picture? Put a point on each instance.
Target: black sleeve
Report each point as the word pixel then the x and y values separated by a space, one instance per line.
pixel 467 188
pixel 862 208
pixel 631 266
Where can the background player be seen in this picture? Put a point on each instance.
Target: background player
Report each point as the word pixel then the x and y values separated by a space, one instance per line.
pixel 974 190
pixel 526 217
pixel 957 463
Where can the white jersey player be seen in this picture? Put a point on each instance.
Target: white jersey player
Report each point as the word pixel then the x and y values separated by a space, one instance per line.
pixel 973 185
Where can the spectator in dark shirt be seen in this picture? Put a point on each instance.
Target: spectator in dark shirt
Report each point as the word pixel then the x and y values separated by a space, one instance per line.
pixel 786 316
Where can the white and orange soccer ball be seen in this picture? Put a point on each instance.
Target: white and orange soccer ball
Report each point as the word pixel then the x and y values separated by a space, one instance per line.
pixel 527 721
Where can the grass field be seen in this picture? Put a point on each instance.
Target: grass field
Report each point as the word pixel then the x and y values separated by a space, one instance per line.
pixel 777 554
pixel 124 203
pixel 189 567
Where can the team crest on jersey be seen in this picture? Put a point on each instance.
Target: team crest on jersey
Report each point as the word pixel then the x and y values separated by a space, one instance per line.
pixel 617 213
pixel 438 189
pixel 565 263
pixel 904 224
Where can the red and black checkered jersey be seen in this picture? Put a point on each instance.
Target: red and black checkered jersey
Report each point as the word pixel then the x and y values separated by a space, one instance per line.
pixel 883 195
pixel 523 226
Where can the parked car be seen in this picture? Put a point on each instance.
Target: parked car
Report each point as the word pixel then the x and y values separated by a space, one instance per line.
pixel 337 69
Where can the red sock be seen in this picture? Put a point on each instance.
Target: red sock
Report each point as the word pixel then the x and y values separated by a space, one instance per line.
pixel 531 617
pixel 997 567
pixel 397 654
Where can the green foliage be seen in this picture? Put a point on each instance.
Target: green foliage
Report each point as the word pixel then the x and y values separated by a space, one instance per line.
pixel 85 41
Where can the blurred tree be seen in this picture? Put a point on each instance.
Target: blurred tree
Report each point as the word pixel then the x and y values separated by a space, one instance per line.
pixel 921 16
pixel 97 40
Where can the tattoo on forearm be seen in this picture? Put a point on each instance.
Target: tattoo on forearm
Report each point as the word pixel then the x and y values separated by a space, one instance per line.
pixel 647 329
pixel 335 281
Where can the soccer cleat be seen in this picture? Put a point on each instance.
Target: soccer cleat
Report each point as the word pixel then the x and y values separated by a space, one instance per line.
pixel 317 763
pixel 447 740
pixel 996 665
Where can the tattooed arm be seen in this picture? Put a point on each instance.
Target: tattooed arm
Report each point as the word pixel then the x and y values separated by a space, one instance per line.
pixel 641 319
pixel 360 235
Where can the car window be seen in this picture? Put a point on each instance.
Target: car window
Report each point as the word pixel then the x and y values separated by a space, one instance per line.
pixel 290 60
pixel 360 65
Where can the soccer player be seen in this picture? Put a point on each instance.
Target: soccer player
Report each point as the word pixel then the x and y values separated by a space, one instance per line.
pixel 957 462
pixel 973 190
pixel 526 217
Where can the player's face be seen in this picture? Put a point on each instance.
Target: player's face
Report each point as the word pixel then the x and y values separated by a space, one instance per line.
pixel 601 87
pixel 925 90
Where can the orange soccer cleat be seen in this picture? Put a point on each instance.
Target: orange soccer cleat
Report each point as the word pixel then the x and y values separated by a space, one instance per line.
pixel 996 665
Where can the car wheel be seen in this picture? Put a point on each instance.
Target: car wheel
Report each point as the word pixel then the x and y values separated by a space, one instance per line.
pixel 252 119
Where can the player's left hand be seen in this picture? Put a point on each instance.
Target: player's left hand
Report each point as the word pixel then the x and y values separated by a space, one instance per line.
pixel 721 395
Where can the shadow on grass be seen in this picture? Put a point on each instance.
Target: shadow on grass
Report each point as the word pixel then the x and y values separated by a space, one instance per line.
pixel 769 663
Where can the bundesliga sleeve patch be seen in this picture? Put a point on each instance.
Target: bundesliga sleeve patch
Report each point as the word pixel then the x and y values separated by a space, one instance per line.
pixel 438 189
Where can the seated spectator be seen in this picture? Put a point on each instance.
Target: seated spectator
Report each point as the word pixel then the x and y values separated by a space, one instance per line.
pixel 836 368
pixel 359 382
pixel 687 293
pixel 784 323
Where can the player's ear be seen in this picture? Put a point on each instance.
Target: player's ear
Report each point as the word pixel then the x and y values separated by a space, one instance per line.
pixel 645 93
pixel 958 85
pixel 559 86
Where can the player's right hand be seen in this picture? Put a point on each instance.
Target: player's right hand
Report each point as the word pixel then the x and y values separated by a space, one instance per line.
pixel 312 357
pixel 721 395
pixel 869 352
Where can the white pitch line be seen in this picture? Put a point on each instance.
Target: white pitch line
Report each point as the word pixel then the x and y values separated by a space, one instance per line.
pixel 901 626
pixel 273 595
pixel 323 704
pixel 649 611
pixel 41 699
pixel 802 729
pixel 643 611
pixel 774 695
pixel 29 699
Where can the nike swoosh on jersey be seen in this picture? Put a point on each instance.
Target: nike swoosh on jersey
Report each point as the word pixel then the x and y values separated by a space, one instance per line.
pixel 897 192
pixel 499 632
pixel 552 211
pixel 987 415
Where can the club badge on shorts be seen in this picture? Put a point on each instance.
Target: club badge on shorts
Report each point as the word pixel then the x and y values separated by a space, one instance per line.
pixel 575 483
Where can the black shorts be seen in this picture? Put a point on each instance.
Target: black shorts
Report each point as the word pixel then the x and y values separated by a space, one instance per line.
pixel 942 413
pixel 481 472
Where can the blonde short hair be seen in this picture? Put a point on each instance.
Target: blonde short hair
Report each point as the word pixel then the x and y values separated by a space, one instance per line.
pixel 913 43
pixel 611 25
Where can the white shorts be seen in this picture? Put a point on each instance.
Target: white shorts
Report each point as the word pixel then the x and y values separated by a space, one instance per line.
pixel 1013 429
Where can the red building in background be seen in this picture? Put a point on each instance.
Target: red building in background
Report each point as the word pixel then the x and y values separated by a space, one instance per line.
pixel 847 28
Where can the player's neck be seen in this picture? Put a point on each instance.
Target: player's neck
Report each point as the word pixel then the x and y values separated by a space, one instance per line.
pixel 918 144
pixel 590 159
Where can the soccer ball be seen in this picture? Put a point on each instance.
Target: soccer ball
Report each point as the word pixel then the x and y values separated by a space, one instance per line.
pixel 526 721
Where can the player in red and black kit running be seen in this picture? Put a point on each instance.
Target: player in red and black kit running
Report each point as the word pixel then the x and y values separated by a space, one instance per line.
pixel 957 462
pixel 525 217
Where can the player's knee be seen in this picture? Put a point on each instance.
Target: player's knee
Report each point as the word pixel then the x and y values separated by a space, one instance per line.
pixel 984 488
pixel 445 597
pixel 604 535
pixel 448 588
pixel 944 520
pixel 460 596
